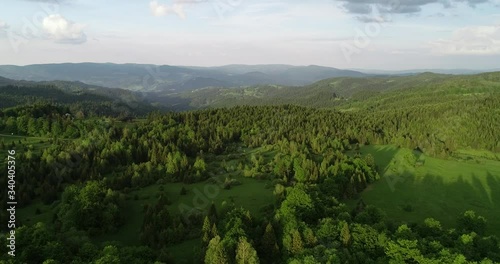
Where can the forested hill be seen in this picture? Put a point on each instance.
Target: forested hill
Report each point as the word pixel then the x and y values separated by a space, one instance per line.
pixel 268 184
pixel 436 113
pixel 93 100
pixel 345 91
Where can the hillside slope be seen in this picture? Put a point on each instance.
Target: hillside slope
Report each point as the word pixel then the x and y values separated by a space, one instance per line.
pixel 87 98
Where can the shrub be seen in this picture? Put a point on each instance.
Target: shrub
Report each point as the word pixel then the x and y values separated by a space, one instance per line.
pixel 183 191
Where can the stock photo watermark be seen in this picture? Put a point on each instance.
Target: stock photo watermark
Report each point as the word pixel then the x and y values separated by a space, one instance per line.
pixel 32 26
pixel 222 8
pixel 202 199
pixel 373 26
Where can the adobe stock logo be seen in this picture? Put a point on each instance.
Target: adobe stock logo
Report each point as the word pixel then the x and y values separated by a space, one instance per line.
pixel 31 28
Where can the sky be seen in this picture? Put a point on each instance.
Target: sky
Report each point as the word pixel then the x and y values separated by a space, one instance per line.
pixel 354 34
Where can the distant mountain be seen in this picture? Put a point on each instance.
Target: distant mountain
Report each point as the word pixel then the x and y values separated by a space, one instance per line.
pixel 264 68
pixel 145 77
pixel 5 81
pixel 280 74
pixel 315 73
pixel 418 71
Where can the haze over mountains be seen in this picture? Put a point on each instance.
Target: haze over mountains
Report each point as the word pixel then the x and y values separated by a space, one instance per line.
pixel 188 87
pixel 147 77
pixel 173 79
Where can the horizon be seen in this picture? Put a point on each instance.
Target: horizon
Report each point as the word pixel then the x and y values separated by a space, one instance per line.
pixel 271 64
pixel 346 34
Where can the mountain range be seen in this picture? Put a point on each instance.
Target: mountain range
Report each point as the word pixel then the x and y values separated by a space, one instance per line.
pixel 147 77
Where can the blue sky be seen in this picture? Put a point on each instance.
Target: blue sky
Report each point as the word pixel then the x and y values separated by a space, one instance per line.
pixel 370 34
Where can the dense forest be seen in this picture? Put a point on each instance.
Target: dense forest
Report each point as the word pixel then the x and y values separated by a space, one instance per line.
pixel 80 163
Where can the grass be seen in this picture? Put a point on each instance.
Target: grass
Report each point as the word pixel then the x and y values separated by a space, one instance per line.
pixel 199 196
pixel 7 139
pixel 29 216
pixel 38 143
pixel 253 195
pixel 470 154
pixel 35 143
pixel 442 189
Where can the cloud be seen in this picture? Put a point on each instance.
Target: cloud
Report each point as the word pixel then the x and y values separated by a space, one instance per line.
pixel 384 7
pixel 3 25
pixel 48 1
pixel 158 9
pixel 62 30
pixel 358 8
pixel 479 40
pixel 473 3
pixel 373 19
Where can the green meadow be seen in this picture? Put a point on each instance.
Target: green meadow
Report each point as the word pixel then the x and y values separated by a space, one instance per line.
pixel 414 186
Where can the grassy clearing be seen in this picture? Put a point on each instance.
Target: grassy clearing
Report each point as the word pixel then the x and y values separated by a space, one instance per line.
pixel 34 143
pixel 8 139
pixel 38 143
pixel 442 189
pixel 252 194
pixel 36 212
pixel 470 154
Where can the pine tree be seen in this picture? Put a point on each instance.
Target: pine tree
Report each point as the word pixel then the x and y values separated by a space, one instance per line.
pixel 214 231
pixel 216 253
pixel 183 191
pixel 212 213
pixel 206 231
pixel 297 245
pixel 345 234
pixel 245 253
pixel 269 245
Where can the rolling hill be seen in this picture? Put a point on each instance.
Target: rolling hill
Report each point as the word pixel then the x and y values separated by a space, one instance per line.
pixel 345 92
pixel 102 100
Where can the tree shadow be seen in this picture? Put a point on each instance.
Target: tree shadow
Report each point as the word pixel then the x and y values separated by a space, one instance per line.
pixel 430 196
pixel 383 156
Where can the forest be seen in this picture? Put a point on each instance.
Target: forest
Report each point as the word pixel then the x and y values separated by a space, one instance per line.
pixel 102 181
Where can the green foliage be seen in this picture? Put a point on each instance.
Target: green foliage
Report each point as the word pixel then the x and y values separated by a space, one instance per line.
pixel 216 253
pixel 345 234
pixel 315 159
pixel 90 207
pixel 269 244
pixel 109 255
pixel 245 253
pixel 469 222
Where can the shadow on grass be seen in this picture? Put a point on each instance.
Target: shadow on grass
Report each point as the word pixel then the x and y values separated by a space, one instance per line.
pixel 383 155
pixel 431 196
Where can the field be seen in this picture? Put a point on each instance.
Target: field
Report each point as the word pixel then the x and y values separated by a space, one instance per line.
pixel 414 186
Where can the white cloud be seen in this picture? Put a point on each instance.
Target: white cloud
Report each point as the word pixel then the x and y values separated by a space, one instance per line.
pixel 478 40
pixel 62 30
pixel 3 25
pixel 159 10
